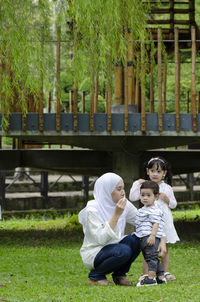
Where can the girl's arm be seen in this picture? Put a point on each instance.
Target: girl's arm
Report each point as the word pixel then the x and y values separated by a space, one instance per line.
pixel 135 190
pixel 169 197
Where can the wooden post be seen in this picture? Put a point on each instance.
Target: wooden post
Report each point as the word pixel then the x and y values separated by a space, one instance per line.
pixel 188 101
pixel 143 111
pixel 41 95
pixel 193 81
pixel 159 55
pixel 75 106
pixel 165 84
pixel 83 102
pixel 118 84
pixel 70 101
pixel 151 84
pixel 177 78
pixel 58 92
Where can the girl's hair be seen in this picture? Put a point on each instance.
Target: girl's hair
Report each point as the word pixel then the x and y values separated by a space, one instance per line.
pixel 148 184
pixel 163 164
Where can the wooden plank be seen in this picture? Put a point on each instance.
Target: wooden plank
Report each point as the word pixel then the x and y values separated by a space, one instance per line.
pixel 177 78
pixel 193 80
pixel 159 60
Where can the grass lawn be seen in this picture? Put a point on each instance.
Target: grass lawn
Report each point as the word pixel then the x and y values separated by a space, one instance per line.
pixel 40 261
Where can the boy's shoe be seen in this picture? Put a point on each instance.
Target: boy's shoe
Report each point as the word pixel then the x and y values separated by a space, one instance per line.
pixel 161 281
pixel 147 282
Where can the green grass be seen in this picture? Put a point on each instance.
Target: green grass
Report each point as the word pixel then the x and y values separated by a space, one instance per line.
pixel 40 261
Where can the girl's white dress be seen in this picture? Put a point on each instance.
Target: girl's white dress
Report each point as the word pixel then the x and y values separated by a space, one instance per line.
pixel 169 229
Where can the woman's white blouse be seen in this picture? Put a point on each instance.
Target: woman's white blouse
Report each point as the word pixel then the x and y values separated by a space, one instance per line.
pixel 99 234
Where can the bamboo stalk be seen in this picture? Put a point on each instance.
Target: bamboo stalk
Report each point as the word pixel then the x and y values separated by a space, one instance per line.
pixel 58 91
pixel 96 93
pixel 75 106
pixel 92 94
pixel 171 7
pixel 188 101
pixel 199 102
pixel 41 94
pixel 83 101
pixel 126 94
pixel 118 84
pixel 109 99
pixel 165 84
pixel 143 111
pixel 70 101
pixel 130 70
pixel 193 80
pixel 151 84
pixel 159 59
pixel 177 79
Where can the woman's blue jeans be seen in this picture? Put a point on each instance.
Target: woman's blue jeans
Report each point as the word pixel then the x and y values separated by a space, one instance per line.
pixel 115 258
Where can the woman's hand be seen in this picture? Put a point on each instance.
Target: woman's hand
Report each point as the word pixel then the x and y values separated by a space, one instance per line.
pixel 120 206
pixel 162 249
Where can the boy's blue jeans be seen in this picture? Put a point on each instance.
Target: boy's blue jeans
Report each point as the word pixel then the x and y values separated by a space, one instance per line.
pixel 115 258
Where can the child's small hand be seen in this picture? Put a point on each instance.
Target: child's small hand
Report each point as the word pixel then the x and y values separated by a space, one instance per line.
pixel 164 197
pixel 141 180
pixel 151 240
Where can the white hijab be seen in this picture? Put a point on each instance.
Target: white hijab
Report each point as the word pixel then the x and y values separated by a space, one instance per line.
pixel 103 203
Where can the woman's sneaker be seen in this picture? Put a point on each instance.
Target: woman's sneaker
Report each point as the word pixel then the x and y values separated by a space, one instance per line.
pixel 147 282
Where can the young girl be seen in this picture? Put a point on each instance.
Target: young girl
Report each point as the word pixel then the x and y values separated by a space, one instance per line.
pixel 158 170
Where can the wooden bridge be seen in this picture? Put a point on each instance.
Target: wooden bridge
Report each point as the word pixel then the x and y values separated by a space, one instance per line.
pixel 136 122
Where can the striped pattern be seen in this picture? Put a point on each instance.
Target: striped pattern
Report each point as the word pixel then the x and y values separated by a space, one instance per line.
pixel 145 218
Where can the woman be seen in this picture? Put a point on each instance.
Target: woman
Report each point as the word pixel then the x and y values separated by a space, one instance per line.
pixel 105 249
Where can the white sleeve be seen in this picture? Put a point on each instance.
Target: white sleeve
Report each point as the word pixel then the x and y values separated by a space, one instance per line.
pixel 131 213
pixel 135 191
pixel 172 199
pixel 100 231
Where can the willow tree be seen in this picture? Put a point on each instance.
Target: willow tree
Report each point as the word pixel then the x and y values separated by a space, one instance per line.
pixel 22 59
pixel 101 31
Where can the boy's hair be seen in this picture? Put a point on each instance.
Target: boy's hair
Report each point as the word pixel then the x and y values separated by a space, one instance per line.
pixel 164 165
pixel 148 184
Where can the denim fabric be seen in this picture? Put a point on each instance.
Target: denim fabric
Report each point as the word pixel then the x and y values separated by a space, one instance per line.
pixel 115 258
